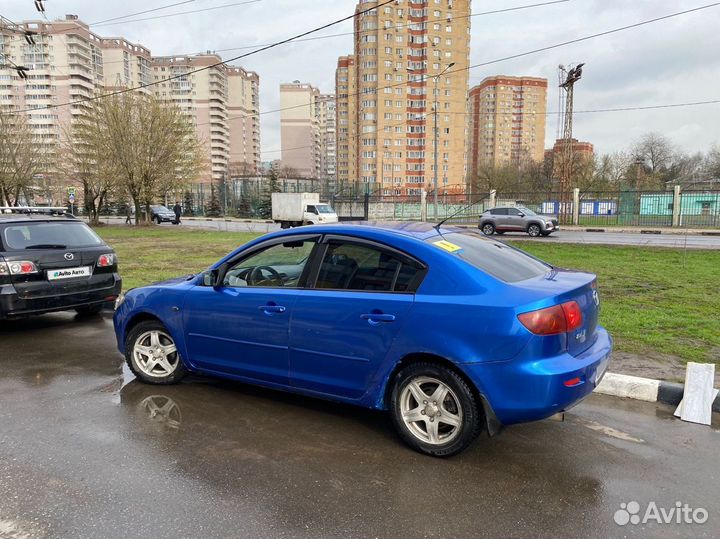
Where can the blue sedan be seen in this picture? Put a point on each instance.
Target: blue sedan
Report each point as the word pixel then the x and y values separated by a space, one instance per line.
pixel 451 331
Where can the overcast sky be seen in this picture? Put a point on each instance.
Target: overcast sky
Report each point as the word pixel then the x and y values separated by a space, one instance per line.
pixel 671 61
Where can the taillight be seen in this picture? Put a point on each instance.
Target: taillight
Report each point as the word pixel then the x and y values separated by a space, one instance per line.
pixel 20 267
pixel 573 315
pixel 553 320
pixel 105 260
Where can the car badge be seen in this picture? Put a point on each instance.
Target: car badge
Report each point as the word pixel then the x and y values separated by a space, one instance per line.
pixel 69 256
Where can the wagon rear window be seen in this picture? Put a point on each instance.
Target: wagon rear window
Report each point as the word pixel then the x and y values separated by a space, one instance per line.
pixel 52 235
pixel 494 258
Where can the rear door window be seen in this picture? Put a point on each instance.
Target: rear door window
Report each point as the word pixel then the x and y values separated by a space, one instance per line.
pixel 355 266
pixel 60 235
pixel 493 257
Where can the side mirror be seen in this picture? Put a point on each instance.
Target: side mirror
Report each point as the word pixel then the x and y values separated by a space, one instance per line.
pixel 215 276
pixel 522 214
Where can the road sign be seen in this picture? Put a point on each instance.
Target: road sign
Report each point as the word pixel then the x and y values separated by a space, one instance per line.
pixel 71 199
pixel 71 191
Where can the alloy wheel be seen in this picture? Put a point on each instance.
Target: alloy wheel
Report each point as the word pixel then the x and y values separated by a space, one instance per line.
pixel 155 354
pixel 431 410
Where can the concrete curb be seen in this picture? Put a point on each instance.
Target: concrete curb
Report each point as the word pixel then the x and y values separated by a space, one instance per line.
pixel 644 389
pixel 641 230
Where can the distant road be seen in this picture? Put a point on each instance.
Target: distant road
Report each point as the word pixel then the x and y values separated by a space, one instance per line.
pixel 681 241
pixel 694 241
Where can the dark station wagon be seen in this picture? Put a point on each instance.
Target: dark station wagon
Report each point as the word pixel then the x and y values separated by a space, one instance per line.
pixel 53 263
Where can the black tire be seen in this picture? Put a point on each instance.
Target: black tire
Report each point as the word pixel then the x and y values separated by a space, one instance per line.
pixel 460 397
pixel 137 332
pixel 487 228
pixel 89 310
pixel 534 230
pixel 158 220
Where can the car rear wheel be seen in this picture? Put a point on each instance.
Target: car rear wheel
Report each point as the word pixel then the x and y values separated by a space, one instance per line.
pixel 534 230
pixel 152 355
pixel 434 410
pixel 488 229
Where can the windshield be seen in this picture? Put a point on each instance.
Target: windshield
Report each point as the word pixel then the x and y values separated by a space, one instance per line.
pixel 493 257
pixel 58 235
pixel 527 211
pixel 324 208
pixel 160 208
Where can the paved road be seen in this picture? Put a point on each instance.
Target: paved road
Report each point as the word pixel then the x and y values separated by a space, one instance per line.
pixel 615 238
pixel 562 236
pixel 221 225
pixel 86 451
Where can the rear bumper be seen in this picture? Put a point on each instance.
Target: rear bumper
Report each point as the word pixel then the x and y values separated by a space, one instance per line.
pixel 525 390
pixel 11 305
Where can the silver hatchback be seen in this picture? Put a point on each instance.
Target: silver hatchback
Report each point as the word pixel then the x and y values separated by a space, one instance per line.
pixel 501 220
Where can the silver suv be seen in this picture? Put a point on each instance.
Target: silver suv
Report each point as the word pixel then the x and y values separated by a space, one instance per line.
pixel 519 219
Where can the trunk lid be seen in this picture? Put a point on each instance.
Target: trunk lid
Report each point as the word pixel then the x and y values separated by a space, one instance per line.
pixel 560 286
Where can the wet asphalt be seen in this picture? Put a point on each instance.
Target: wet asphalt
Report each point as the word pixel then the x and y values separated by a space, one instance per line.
pixel 87 451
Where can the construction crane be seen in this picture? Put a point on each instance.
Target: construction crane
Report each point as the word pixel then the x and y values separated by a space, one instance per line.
pixel 568 76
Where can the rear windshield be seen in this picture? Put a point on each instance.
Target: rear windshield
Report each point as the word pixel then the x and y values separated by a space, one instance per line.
pixel 494 258
pixel 60 235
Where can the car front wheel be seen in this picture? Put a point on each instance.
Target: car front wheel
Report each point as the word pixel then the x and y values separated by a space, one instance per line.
pixel 534 230
pixel 488 229
pixel 152 355
pixel 434 410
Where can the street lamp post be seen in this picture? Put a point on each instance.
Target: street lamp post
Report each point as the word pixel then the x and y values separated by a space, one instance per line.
pixel 436 138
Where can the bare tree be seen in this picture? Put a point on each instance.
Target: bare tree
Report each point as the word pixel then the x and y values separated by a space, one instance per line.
pixel 83 158
pixel 22 158
pixel 151 146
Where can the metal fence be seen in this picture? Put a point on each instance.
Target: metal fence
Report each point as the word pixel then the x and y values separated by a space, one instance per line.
pixel 697 209
pixel 250 198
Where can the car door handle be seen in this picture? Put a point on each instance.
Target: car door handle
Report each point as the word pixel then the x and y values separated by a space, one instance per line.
pixel 270 309
pixel 377 318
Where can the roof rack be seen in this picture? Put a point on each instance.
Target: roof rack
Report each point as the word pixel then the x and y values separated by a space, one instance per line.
pixel 37 210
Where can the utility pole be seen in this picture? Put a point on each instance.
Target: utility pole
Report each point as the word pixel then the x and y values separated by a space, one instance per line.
pixel 568 78
pixel 436 139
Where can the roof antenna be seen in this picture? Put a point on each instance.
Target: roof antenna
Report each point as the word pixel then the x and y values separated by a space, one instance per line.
pixel 437 226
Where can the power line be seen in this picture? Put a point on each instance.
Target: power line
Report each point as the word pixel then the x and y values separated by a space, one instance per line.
pixel 482 13
pixel 547 113
pixel 109 22
pixel 146 11
pixel 330 36
pixel 519 55
pixel 205 68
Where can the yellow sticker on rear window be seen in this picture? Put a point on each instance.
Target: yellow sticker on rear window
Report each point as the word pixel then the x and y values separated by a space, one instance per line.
pixel 449 247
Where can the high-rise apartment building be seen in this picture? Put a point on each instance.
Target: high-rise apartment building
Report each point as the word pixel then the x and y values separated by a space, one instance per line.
pixel 125 64
pixel 307 131
pixel 64 65
pixel 346 87
pixel 69 63
pixel 203 96
pixel 328 138
pixel 409 69
pixel 300 129
pixel 223 103
pixel 244 122
pixel 507 120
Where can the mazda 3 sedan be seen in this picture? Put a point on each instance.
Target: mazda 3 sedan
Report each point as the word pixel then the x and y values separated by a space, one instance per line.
pixel 450 331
